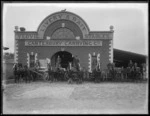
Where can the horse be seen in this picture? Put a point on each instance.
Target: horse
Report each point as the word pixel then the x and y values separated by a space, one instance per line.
pixel 15 71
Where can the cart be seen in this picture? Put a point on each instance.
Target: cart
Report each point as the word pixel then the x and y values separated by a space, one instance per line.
pixel 42 71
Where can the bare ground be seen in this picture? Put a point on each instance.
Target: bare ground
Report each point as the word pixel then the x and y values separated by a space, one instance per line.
pixel 86 98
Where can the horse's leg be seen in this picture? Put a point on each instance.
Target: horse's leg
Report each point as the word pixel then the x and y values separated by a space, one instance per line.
pixel 31 75
pixel 15 78
pixel 52 77
pixel 26 78
pixel 48 76
pixel 55 76
pixel 102 76
pixel 105 76
pixel 18 78
pixel 34 76
pixel 22 77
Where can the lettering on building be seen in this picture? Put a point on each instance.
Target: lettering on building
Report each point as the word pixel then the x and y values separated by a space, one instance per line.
pixel 63 43
pixel 26 36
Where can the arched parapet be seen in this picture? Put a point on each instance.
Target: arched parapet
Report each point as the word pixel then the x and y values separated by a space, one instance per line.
pixel 63 15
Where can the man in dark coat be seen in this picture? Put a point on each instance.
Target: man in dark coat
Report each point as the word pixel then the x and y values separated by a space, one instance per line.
pixel 58 62
pixel 130 64
pixel 73 61
pixel 15 69
pixel 26 74
pixel 77 61
pixel 50 72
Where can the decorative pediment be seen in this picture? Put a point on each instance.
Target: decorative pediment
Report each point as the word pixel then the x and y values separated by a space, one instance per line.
pixel 62 16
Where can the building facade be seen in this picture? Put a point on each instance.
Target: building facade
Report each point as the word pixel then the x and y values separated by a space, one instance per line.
pixel 64 34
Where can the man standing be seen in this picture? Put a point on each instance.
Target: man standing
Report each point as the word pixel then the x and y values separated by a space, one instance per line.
pixel 15 68
pixel 77 63
pixel 130 64
pixel 73 61
pixel 58 61
pixel 143 70
pixel 50 73
pixel 37 64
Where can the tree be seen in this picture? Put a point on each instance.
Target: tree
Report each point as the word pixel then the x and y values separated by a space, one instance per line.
pixel 8 55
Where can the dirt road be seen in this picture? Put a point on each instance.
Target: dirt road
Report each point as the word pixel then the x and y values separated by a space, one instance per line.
pixel 86 98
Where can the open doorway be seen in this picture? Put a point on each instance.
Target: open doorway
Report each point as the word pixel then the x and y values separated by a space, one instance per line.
pixel 65 57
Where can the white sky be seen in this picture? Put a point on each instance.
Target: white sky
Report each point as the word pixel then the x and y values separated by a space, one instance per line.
pixel 130 21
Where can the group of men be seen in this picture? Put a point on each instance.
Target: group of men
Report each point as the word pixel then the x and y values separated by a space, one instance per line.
pixel 135 71
pixel 59 73
pixel 74 64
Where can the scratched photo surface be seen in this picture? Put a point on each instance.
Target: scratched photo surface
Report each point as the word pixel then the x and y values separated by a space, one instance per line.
pixel 51 50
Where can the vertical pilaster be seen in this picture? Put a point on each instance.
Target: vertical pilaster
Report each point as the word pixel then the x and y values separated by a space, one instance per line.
pixel 70 67
pixel 111 51
pixel 16 45
pixel 98 59
pixel 35 57
pixel 16 51
pixel 90 63
pixel 28 60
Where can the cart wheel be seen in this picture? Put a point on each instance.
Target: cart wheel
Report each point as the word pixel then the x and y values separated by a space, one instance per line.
pixel 46 76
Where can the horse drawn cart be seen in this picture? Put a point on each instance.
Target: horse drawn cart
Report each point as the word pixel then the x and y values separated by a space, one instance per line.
pixel 75 76
pixel 42 71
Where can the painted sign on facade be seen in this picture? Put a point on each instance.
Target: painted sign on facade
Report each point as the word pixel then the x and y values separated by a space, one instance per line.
pixel 64 43
pixel 98 36
pixel 26 36
pixel 60 16
pixel 87 36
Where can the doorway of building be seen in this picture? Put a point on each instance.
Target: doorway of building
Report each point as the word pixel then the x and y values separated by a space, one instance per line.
pixel 65 57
